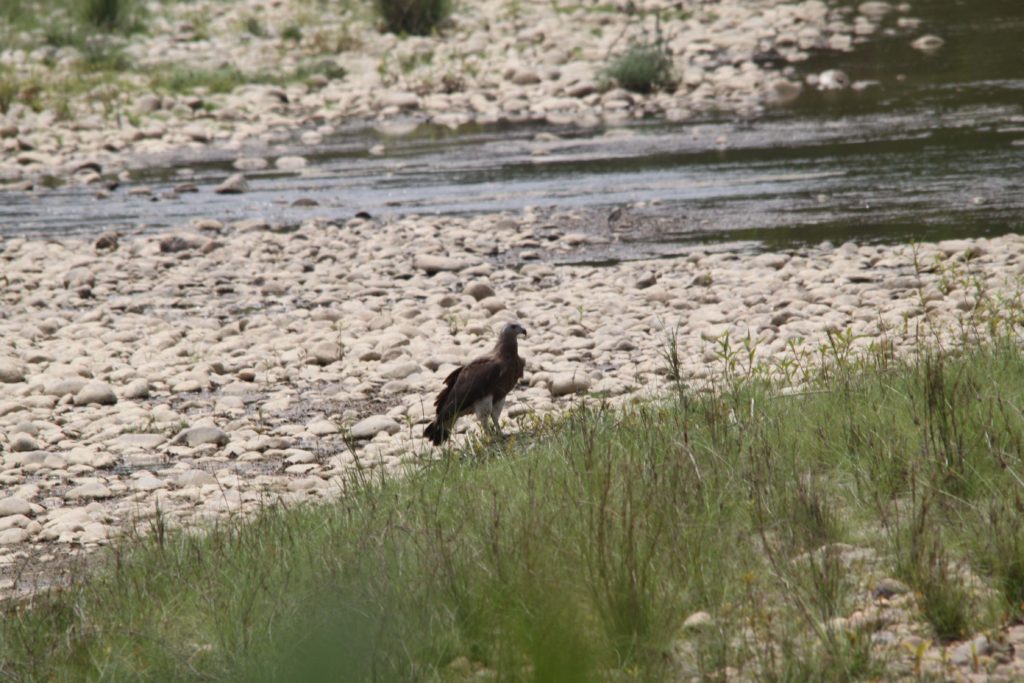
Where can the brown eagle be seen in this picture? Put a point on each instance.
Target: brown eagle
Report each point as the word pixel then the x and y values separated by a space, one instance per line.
pixel 480 386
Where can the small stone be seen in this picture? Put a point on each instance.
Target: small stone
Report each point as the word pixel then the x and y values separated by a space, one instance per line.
pixel 148 483
pixel 96 392
pixel 91 491
pixel 12 536
pixel 399 370
pixel 23 443
pixel 874 9
pixel 250 164
pixel 322 428
pixel 11 371
pixel 325 353
pixel 479 290
pixel 94 533
pixel 887 588
pixel 14 506
pixel 569 383
pixel 197 436
pixel 433 263
pixel 492 304
pixel 306 483
pixel 146 442
pixel 197 133
pixel 701 280
pixel 290 163
pixel 107 241
pixel 65 386
pixel 581 89
pixel 833 79
pixel 299 456
pixel 402 100
pixel 15 522
pixel 646 280
pixel 147 104
pixel 172 244
pixel 928 43
pixel 525 77
pixel 698 620
pixel 138 388
pixel 233 184
pixel 369 427
pixel 190 478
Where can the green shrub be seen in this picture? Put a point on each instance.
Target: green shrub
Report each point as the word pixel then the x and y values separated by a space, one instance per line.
pixel 9 89
pixel 642 69
pixel 415 17
pixel 254 27
pixel 120 16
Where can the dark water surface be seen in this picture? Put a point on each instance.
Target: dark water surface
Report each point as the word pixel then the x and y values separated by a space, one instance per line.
pixel 935 150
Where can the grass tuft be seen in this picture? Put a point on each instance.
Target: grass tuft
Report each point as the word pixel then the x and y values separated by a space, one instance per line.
pixel 643 68
pixel 413 17
pixel 112 16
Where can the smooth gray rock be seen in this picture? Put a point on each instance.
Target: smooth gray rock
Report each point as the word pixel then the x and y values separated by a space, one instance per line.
pixel 887 588
pixel 12 536
pixel 107 241
pixel 698 620
pixel 92 491
pixel 21 459
pixel 136 389
pixel 251 164
pixel 194 478
pixel 567 383
pixel 22 443
pixel 233 184
pixel 64 386
pixel 141 440
pixel 646 280
pixel 479 290
pixel 433 263
pixel 197 436
pixel 291 163
pixel 325 353
pixel 96 392
pixel 14 506
pixel 370 427
pixel 11 371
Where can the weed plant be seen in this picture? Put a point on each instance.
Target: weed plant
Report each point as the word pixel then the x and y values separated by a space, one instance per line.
pixel 413 17
pixel 642 68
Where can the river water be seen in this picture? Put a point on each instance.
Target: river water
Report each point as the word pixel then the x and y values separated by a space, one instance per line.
pixel 934 150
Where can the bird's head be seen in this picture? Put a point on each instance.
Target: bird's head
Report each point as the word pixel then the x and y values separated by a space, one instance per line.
pixel 511 332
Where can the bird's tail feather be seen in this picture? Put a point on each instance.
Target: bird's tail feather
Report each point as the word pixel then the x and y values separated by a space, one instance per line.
pixel 437 432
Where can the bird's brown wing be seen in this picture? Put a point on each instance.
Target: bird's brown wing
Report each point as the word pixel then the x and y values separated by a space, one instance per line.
pixel 467 385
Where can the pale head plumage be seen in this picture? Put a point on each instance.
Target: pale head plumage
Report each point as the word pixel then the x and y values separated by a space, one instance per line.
pixel 511 332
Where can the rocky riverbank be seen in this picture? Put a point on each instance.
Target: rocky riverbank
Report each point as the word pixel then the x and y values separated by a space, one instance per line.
pixel 221 368
pixel 230 76
pixel 216 368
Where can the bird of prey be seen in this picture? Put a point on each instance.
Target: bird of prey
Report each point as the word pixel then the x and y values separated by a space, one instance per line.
pixel 480 386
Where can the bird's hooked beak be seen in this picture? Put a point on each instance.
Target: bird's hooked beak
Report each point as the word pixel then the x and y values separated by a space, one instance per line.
pixel 522 331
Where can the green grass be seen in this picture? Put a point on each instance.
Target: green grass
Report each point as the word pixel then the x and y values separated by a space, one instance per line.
pixel 414 17
pixel 71 23
pixel 224 79
pixel 121 16
pixel 642 69
pixel 575 550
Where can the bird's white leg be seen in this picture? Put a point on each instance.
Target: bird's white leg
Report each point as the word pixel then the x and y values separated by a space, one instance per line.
pixel 496 409
pixel 483 408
